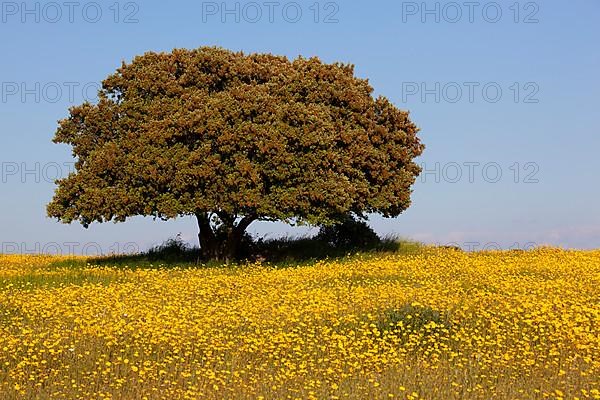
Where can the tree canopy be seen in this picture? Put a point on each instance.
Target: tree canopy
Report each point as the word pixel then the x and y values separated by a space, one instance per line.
pixel 232 138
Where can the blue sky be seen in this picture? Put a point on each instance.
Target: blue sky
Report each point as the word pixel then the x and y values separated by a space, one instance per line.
pixel 505 94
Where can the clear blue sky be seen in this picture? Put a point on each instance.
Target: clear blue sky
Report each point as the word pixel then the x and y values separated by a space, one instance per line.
pixel 446 62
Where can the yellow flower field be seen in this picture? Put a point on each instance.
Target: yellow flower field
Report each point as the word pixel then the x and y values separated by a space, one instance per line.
pixel 441 324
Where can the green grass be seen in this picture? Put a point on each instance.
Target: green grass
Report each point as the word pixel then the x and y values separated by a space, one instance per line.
pixel 306 249
pixel 280 253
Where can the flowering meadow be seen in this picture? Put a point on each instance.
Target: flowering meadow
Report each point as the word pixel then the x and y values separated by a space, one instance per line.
pixel 438 324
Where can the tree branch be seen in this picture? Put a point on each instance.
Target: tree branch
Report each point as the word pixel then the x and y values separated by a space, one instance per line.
pixel 245 222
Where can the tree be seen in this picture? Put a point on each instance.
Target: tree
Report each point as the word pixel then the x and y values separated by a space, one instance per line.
pixel 232 138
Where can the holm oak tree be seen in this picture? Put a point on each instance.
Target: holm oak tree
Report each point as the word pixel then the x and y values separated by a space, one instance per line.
pixel 233 138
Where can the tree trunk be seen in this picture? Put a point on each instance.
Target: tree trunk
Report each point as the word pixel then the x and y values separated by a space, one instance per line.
pixel 228 250
pixel 209 246
pixel 235 234
pixel 232 244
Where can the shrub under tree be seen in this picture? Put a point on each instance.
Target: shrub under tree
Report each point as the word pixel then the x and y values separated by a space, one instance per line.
pixel 348 233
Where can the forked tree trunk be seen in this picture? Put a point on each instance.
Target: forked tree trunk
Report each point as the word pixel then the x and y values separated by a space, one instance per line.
pixel 221 249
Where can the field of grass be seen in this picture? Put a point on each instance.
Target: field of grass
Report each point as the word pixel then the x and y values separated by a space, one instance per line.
pixel 438 324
